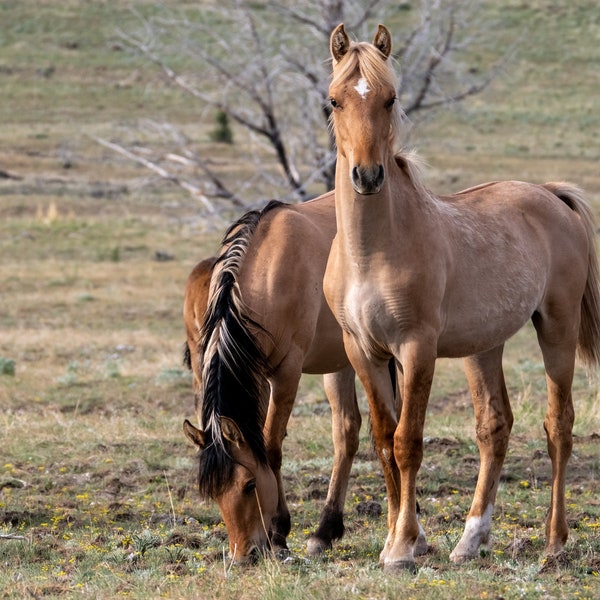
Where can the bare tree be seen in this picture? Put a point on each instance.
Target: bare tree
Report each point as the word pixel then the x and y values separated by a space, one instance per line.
pixel 264 66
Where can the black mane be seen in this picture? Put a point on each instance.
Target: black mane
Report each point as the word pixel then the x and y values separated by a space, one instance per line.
pixel 235 368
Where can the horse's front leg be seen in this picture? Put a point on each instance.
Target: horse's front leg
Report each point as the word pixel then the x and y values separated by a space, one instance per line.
pixel 418 361
pixel 284 386
pixel 375 378
pixel 493 422
pixel 345 428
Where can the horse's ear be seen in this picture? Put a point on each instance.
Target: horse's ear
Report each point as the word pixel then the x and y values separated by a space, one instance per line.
pixel 193 434
pixel 339 43
pixel 231 432
pixel 383 40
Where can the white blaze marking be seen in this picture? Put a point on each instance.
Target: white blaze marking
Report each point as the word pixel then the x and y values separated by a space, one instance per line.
pixel 362 88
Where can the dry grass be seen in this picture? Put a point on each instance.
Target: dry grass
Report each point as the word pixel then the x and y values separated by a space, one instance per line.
pixel 96 476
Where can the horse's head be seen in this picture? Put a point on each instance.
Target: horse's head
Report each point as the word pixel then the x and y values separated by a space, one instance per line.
pixel 249 500
pixel 365 117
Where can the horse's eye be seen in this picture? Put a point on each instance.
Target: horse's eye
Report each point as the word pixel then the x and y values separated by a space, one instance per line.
pixel 390 102
pixel 334 103
pixel 250 486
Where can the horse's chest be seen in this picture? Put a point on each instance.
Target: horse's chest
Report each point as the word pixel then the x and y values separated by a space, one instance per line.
pixel 374 313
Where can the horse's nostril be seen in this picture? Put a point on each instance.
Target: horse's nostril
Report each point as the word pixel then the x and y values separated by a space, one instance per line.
pixel 367 180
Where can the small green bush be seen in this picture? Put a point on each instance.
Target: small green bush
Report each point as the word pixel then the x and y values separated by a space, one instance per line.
pixel 222 132
pixel 7 366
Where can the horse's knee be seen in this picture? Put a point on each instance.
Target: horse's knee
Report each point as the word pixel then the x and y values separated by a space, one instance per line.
pixel 496 438
pixel 408 451
pixel 493 431
pixel 559 424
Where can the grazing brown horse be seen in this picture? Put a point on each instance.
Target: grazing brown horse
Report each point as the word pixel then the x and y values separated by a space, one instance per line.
pixel 267 322
pixel 415 276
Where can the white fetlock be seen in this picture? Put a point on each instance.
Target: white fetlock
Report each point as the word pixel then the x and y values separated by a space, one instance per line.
pixel 386 549
pixel 477 532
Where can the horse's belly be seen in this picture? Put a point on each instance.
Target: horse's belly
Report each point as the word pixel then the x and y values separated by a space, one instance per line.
pixel 469 321
pixel 474 335
pixel 326 353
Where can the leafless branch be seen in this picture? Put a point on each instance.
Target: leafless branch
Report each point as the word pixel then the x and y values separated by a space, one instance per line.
pixel 323 15
pixel 270 77
pixel 188 87
pixel 437 56
pixel 189 187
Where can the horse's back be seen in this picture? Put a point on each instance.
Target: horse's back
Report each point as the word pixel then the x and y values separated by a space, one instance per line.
pixel 517 249
pixel 511 218
pixel 282 283
pixel 290 243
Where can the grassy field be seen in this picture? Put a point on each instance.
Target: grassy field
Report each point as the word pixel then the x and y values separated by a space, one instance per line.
pixel 97 483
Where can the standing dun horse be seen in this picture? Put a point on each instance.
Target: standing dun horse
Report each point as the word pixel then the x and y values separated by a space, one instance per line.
pixel 267 322
pixel 414 276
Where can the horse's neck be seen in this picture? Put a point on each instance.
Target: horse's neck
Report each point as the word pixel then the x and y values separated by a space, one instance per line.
pixel 368 225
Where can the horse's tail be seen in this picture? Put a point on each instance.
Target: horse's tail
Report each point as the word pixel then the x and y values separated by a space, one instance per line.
pixel 589 328
pixel 234 367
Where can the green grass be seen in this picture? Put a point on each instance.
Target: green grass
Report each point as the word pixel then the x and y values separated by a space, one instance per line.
pixel 97 482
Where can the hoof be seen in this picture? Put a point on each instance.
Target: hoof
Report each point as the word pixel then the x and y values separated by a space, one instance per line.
pixel 459 559
pixel 554 550
pixel 316 546
pixel 553 562
pixel 400 566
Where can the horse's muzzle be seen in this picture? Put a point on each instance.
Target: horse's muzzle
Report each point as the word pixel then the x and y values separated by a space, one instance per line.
pixel 368 180
pixel 250 558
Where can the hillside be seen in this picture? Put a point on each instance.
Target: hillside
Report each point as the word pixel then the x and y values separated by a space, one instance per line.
pixel 67 78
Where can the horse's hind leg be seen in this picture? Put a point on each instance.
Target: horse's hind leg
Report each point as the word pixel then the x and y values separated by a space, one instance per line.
pixel 493 422
pixel 345 427
pixel 559 361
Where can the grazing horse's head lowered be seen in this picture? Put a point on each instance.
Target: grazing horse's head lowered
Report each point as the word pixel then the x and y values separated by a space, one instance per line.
pixel 248 499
